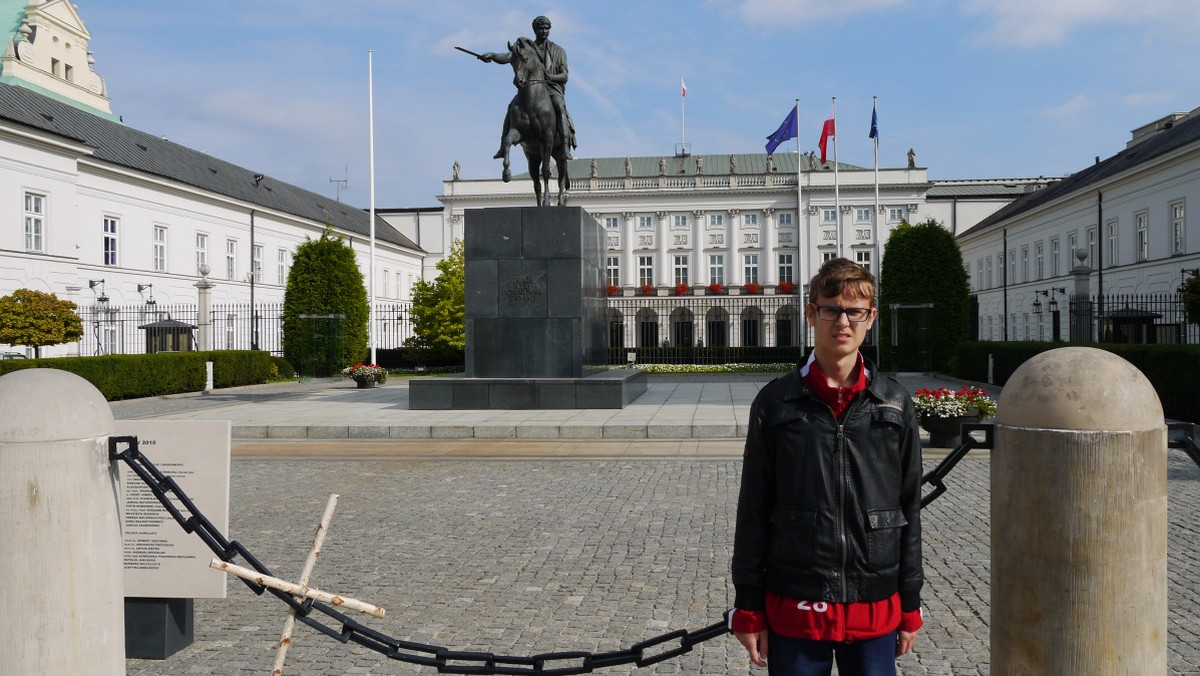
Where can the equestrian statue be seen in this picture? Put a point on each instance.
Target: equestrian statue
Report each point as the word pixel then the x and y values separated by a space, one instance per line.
pixel 537 117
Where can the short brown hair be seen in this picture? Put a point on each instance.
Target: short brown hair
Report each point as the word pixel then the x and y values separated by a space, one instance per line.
pixel 841 275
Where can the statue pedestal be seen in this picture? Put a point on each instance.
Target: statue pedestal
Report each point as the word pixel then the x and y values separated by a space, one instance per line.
pixel 535 305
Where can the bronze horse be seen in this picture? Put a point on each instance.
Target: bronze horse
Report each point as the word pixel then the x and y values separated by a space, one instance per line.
pixel 531 122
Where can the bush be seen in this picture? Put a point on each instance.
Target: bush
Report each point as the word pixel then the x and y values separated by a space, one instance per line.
pixel 283 368
pixel 1161 364
pixel 132 376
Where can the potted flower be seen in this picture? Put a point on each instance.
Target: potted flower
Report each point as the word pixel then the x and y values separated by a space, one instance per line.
pixel 647 290
pixel 942 412
pixel 787 287
pixel 751 288
pixel 366 375
pixel 613 289
pixel 681 289
pixel 716 288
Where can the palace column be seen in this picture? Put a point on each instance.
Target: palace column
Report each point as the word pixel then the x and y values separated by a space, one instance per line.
pixel 663 268
pixel 628 258
pixel 698 261
pixel 733 268
pixel 769 236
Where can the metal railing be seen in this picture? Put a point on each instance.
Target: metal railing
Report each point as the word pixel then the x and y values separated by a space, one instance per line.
pixel 1131 318
pixel 119 330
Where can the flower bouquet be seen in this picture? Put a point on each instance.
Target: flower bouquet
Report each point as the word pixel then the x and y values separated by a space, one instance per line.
pixel 946 403
pixel 942 412
pixel 366 375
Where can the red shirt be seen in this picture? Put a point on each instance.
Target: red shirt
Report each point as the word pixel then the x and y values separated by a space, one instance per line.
pixel 827 620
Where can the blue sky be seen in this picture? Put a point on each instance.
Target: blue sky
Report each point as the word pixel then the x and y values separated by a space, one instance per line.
pixel 979 88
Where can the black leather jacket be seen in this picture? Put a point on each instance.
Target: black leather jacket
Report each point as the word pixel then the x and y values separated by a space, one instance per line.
pixel 829 511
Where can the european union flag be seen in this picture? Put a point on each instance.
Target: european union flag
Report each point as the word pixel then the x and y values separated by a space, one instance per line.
pixel 874 125
pixel 786 131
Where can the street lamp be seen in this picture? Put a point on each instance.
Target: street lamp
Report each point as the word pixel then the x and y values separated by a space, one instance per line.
pixel 143 287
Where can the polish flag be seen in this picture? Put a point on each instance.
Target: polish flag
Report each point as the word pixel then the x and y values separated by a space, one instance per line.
pixel 682 87
pixel 827 130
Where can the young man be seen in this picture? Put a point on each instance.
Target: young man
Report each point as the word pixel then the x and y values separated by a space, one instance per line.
pixel 827 553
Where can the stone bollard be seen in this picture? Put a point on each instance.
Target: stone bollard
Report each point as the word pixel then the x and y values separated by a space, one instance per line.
pixel 61 602
pixel 1079 519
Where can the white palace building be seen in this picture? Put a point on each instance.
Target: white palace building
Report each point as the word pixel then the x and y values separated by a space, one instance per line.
pixel 114 218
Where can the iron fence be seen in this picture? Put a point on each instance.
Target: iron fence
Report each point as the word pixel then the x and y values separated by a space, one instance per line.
pixel 123 330
pixel 1130 318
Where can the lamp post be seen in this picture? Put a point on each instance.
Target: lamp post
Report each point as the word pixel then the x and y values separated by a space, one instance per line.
pixel 98 309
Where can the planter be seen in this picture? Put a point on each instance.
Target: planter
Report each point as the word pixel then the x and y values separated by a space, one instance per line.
pixel 366 384
pixel 946 432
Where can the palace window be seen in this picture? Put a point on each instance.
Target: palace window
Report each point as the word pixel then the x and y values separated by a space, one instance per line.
pixel 35 222
pixel 110 240
pixel 160 248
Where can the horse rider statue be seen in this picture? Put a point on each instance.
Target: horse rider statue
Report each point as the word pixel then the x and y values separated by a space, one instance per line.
pixel 554 60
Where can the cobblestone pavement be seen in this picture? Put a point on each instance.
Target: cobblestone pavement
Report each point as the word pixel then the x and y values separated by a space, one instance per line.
pixel 528 556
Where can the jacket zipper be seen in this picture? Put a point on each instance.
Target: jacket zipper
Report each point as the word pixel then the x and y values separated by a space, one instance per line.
pixel 841 519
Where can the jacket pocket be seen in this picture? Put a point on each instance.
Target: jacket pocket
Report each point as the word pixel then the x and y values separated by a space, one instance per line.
pixel 884 527
pixel 887 425
pixel 793 535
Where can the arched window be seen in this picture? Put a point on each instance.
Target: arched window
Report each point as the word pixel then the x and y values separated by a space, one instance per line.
pixel 787 326
pixel 716 327
pixel 616 327
pixel 681 327
pixel 752 321
pixel 647 328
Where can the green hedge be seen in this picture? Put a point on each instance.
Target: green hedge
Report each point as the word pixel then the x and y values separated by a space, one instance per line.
pixel 131 376
pixel 1165 366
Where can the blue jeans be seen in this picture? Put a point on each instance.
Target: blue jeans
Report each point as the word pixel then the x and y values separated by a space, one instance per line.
pixel 801 657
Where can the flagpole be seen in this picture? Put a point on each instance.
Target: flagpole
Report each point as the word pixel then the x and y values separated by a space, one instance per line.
pixel 837 205
pixel 875 220
pixel 802 236
pixel 371 217
pixel 683 111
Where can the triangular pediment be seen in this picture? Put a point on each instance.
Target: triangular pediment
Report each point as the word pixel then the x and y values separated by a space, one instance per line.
pixel 62 13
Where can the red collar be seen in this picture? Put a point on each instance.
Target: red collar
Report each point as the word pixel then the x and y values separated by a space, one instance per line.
pixel 838 398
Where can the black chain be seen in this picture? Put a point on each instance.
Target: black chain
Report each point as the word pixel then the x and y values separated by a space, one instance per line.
pixel 446 661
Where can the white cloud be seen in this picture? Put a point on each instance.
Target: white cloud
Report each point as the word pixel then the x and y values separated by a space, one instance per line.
pixel 1148 99
pixel 1026 24
pixel 1077 105
pixel 796 12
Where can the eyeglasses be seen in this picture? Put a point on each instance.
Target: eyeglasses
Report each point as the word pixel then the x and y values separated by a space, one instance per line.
pixel 831 313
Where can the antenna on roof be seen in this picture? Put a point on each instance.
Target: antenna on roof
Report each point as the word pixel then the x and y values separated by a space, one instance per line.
pixel 341 183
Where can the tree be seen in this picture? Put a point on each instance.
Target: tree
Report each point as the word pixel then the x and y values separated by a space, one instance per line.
pixel 1191 299
pixel 439 308
pixel 922 264
pixel 35 319
pixel 324 280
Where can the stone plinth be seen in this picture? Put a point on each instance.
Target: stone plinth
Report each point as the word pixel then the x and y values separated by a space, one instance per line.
pixel 535 303
pixel 535 293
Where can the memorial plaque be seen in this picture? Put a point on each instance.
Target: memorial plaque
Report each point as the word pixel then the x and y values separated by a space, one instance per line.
pixel 161 560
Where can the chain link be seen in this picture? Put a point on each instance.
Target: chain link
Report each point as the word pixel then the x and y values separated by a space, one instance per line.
pixel 446 661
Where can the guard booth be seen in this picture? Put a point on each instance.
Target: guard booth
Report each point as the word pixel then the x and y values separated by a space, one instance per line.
pixel 911 338
pixel 1130 325
pixel 169 335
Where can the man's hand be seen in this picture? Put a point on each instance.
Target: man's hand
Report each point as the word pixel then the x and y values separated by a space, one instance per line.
pixel 487 57
pixel 756 645
pixel 904 642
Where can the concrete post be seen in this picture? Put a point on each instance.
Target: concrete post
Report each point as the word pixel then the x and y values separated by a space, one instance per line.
pixel 204 322
pixel 1079 519
pixel 61 603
